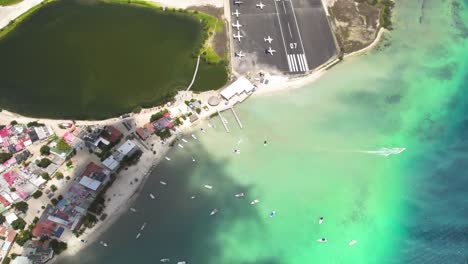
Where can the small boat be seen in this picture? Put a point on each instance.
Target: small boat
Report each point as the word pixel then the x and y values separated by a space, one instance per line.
pixel 194 137
pixel 209 187
pixel 272 214
pixel 184 140
pixel 163 183
pixel 133 209
pixel 143 226
pixel 237 151
pixel 320 220
pixel 214 212
pixel 322 240
pixel 210 125
pixel 180 146
pixel 239 195
pixel 103 243
pixel 192 197
pixel 202 130
pixel 164 260
pixel 256 201
pixel 352 242
pixel 193 159
pixel 239 141
pixel 181 262
pixel 167 158
pixel 152 196
pixel 138 235
pixel 264 143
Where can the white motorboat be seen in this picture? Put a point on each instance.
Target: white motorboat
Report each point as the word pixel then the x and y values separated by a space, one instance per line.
pixel 352 242
pixel 162 183
pixel 256 201
pixel 322 240
pixel 143 226
pixel 202 130
pixel 167 158
pixel 214 212
pixel 138 235
pixel 210 125
pixel 194 137
pixel 237 151
pixel 193 159
pixel 103 243
pixel 180 146
pixel 164 260
pixel 320 220
pixel 239 195
pixel 184 140
pixel 181 262
pixel 192 197
pixel 209 187
pixel 152 196
pixel 133 209
pixel 272 214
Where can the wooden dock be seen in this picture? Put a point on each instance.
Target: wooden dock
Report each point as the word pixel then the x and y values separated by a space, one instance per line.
pixel 237 118
pixel 223 121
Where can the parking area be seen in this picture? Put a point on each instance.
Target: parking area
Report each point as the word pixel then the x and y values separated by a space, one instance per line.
pixel 288 36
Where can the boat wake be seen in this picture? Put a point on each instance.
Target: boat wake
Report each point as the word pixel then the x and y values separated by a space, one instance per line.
pixel 384 151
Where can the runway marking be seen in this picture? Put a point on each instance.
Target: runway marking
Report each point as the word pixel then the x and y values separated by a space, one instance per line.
pixel 290 33
pixel 305 62
pixel 301 64
pixel 297 26
pixel 284 7
pixel 281 29
pixel 295 62
pixel 289 62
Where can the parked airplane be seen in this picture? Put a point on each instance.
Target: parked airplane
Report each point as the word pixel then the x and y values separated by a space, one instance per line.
pixel 261 5
pixel 268 39
pixel 236 2
pixel 237 25
pixel 237 13
pixel 239 54
pixel 270 51
pixel 238 36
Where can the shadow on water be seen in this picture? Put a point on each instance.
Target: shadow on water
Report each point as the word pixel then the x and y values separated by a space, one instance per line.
pixel 178 227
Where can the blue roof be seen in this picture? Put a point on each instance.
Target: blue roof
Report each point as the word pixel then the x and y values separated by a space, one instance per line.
pixel 59 232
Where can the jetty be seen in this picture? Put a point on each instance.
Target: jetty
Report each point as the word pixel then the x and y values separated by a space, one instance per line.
pixel 237 118
pixel 223 121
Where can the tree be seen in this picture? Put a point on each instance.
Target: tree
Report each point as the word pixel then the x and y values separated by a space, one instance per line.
pixel 54 201
pixel 45 176
pixel 53 188
pixel 2 219
pixel 44 163
pixel 63 146
pixel 69 163
pixel 13 123
pixel 23 236
pixel 18 224
pixel 12 189
pixel 21 206
pixel 58 246
pixel 34 124
pixel 58 175
pixel 45 150
pixel 37 194
pixel 5 156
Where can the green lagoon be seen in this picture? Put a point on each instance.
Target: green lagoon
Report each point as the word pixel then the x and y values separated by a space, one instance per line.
pixel 94 60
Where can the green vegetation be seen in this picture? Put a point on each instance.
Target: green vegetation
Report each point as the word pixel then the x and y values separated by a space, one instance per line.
pixel 58 175
pixel 45 176
pixel 386 7
pixel 2 219
pixel 44 163
pixel 21 206
pixel 6 260
pixel 132 159
pixel 53 188
pixel 69 163
pixel 45 150
pixel 37 194
pixel 79 53
pixel 58 246
pixel 34 124
pixel 164 133
pixel 9 2
pixel 54 201
pixel 63 146
pixel 23 236
pixel 13 123
pixel 18 224
pixel 158 115
pixel 5 156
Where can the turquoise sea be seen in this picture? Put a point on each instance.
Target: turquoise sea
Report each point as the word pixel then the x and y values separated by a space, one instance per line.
pixel 408 208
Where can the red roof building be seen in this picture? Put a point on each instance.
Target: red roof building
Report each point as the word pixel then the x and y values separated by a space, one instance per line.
pixel 92 168
pixel 112 135
pixel 4 201
pixel 46 228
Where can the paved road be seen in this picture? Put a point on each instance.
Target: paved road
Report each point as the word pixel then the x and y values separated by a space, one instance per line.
pixel 301 35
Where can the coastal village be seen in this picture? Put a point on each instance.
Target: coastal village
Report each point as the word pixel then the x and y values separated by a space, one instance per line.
pixel 57 179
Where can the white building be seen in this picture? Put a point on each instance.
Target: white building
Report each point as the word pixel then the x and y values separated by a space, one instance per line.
pixel 242 85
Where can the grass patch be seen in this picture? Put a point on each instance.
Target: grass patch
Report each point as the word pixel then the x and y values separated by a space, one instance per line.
pixel 9 2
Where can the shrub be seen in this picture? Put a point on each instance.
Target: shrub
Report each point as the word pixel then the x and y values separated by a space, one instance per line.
pixel 58 246
pixel 69 163
pixel 137 109
pixel 21 206
pixel 12 189
pixel 36 219
pixel 23 236
pixel 198 110
pixel 13 123
pixel 54 201
pixel 63 146
pixel 45 176
pixel 158 115
pixel 34 124
pixel 45 150
pixel 53 188
pixel 67 178
pixel 2 219
pixel 44 163
pixel 37 194
pixel 18 224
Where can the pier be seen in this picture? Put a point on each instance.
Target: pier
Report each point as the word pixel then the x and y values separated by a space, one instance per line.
pixel 223 121
pixel 237 118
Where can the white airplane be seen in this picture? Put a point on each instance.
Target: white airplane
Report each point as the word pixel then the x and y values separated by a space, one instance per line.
pixel 261 5
pixel 268 39
pixel 238 36
pixel 237 13
pixel 238 2
pixel 270 51
pixel 239 54
pixel 237 25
